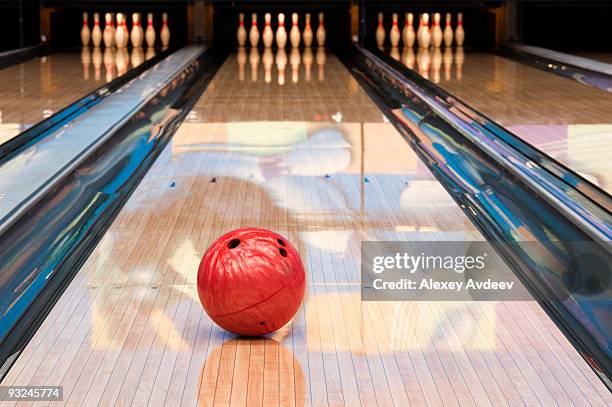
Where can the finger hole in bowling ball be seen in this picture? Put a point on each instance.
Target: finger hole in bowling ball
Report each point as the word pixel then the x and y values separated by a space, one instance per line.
pixel 283 252
pixel 280 242
pixel 233 243
pixel 262 323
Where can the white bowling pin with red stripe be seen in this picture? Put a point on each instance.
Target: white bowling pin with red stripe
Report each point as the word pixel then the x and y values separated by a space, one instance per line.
pixel 150 32
pixel 254 31
pixel 241 34
pixel 294 34
pixel 85 31
pixel 394 34
pixel 164 34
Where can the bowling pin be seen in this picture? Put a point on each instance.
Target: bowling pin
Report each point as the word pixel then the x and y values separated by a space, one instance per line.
pixel 436 32
pixel 448 31
pixel 294 60
pixel 394 34
pixel 268 36
pixel 254 61
pixel 136 33
pixel 425 34
pixel 150 33
pixel 164 34
pixel 281 64
pixel 380 32
pixel 254 33
pixel 281 33
pixel 459 31
pixel 109 31
pixel 120 36
pixel 321 34
pixel 408 35
pixel 241 33
pixel 85 31
pixel 96 33
pixel 294 34
pixel 307 34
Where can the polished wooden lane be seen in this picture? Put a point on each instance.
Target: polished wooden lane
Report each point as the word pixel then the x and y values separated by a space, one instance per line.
pixel 36 89
pixel 567 120
pixel 316 161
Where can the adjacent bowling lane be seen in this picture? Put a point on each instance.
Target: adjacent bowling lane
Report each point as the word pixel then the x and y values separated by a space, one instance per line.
pixel 565 119
pixel 290 142
pixel 39 87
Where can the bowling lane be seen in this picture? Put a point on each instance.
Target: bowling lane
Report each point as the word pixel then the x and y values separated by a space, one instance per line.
pixel 290 142
pixel 38 88
pixel 567 120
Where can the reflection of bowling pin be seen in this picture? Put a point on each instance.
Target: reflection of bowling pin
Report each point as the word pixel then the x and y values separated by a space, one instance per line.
pixel 294 60
pixel 96 33
pixel 150 53
pixel 307 34
pixel 268 35
pixel 120 36
pixel 85 60
pixel 436 64
pixel 85 31
pixel 294 34
pixel 380 32
pixel 394 34
pixel 423 61
pixel 281 64
pixel 459 31
pixel 395 53
pixel 137 56
pixel 408 57
pixel 448 62
pixel 321 34
pixel 254 61
pixel 241 33
pixel 408 35
pixel 459 58
pixel 109 31
pixel 281 33
pixel 321 57
pixel 448 31
pixel 109 63
pixel 241 58
pixel 268 61
pixel 137 33
pixel 307 58
pixel 164 34
pixel 121 61
pixel 97 62
pixel 436 32
pixel 254 32
pixel 150 33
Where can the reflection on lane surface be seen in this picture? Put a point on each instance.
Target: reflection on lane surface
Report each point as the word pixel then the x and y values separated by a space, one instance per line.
pixel 567 120
pixel 36 89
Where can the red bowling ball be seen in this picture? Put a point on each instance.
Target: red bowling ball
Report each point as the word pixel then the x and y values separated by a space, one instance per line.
pixel 251 281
